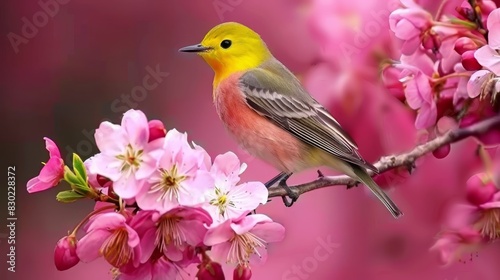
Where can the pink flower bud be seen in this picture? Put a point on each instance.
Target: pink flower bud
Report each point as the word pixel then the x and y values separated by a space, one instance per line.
pixel 65 253
pixel 464 44
pixel 441 152
pixel 210 271
pixel 465 11
pixel 156 130
pixel 242 273
pixel 469 62
pixel 431 41
pixel 486 8
pixel 478 191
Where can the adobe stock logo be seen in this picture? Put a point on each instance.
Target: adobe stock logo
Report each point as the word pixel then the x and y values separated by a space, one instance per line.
pixel 310 264
pixel 49 9
pixel 223 6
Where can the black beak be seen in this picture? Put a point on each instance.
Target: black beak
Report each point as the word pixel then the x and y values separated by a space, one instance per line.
pixel 194 48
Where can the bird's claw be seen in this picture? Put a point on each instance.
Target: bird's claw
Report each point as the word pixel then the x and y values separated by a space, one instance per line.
pixel 320 174
pixel 291 196
pixel 352 185
pixel 276 179
pixel 410 166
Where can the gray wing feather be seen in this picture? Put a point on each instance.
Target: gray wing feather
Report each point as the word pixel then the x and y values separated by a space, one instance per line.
pixel 298 113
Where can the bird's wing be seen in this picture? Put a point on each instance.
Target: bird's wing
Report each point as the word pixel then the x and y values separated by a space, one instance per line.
pixel 287 104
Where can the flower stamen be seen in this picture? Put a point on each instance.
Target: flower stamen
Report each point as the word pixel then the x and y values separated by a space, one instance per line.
pixel 168 232
pixel 221 201
pixel 131 159
pixel 116 249
pixel 243 246
pixel 489 224
pixel 169 184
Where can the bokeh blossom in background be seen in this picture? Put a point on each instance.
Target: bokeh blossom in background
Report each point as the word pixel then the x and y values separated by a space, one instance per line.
pixel 155 198
pixel 395 74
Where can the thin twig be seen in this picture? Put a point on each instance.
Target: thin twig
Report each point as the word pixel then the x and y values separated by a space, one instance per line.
pixel 390 162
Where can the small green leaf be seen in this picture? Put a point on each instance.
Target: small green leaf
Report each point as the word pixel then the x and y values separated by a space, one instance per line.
pixel 79 168
pixel 68 196
pixel 70 177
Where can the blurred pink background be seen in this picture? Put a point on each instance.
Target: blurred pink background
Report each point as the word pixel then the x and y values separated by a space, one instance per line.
pixel 82 64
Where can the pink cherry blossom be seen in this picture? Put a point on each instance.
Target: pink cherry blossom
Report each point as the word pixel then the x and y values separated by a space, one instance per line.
pixel 126 156
pixel 243 240
pixel 408 24
pixel 488 55
pixel 451 245
pixel 65 256
pixel 51 173
pixel 158 269
pixel 226 199
pixel 418 93
pixel 181 178
pixel 173 231
pixel 110 236
pixel 446 54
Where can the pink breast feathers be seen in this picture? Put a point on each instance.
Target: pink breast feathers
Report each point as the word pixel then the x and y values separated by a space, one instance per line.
pixel 255 133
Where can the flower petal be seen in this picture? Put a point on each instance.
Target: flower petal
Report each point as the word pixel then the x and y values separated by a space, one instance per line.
pixel 427 116
pixel 106 221
pixel 489 58
pixel 52 148
pixel 193 230
pixel 135 124
pixel 110 138
pixel 219 252
pixel 106 165
pixel 52 171
pixel 490 205
pixel 476 83
pixel 143 272
pixel 148 244
pixel 219 234
pixel 163 270
pixel 88 247
pixel 35 185
pixel 270 232
pixel 133 237
pixel 494 29
pixel 128 187
pixel 246 223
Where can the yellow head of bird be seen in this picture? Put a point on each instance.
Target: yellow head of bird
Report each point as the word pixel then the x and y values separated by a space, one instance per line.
pixel 231 47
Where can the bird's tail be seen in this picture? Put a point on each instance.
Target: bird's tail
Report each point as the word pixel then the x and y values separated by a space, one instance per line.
pixel 365 178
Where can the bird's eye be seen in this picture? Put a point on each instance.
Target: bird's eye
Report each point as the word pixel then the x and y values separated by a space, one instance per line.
pixel 225 44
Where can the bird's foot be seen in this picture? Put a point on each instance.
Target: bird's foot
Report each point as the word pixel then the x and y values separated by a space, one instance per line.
pixel 320 174
pixel 410 166
pixel 291 195
pixel 352 185
pixel 276 179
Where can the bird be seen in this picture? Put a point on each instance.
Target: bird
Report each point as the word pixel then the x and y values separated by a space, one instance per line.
pixel 270 114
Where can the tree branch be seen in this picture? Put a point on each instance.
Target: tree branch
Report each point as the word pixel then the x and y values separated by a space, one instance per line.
pixel 391 162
